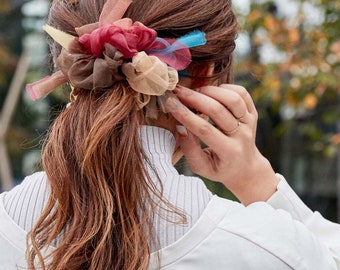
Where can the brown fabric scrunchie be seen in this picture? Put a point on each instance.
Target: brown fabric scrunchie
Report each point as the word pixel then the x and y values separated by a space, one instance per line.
pixel 88 72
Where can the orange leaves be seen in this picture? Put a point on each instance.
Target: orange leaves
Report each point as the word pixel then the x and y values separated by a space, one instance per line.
pixel 335 139
pixel 280 33
pixel 254 16
pixel 273 86
pixel 310 101
pixel 271 24
pixel 302 68
pixel 294 36
pixel 293 68
pixel 335 48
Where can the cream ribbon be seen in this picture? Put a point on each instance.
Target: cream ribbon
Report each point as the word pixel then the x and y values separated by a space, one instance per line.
pixel 149 75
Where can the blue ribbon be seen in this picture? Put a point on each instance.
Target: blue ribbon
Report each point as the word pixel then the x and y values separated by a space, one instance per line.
pixel 193 39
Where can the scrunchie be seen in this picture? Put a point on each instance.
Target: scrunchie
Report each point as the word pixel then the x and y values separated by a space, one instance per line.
pixel 100 56
pixel 149 75
pixel 89 72
pixel 127 37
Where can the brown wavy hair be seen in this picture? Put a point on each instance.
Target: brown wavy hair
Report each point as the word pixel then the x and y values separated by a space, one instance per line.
pixel 102 198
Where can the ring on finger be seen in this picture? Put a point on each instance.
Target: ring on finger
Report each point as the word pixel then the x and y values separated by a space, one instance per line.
pixel 228 133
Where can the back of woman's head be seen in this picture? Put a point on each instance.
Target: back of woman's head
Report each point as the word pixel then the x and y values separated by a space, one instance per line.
pixel 170 19
pixel 102 197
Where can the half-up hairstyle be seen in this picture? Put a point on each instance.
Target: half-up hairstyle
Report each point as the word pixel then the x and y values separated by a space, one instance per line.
pixel 102 198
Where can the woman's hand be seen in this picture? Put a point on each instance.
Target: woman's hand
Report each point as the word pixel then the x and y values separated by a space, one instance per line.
pixel 231 156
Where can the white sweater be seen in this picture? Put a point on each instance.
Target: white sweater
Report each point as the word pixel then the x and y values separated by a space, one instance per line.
pixel 220 234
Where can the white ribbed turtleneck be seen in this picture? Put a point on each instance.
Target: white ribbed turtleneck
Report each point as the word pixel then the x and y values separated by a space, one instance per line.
pixel 25 202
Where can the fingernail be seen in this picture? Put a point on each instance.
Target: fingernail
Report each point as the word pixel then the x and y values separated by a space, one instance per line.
pixel 182 131
pixel 172 104
pixel 179 89
pixel 184 91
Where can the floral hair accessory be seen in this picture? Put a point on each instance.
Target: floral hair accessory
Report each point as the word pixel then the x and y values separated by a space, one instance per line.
pixel 149 75
pixel 116 49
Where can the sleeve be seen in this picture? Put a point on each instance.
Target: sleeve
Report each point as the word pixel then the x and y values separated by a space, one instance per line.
pixel 324 230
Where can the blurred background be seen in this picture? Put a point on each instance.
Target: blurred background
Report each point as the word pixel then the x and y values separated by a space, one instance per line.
pixel 287 56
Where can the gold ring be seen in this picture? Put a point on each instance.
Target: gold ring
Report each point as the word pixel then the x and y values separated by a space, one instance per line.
pixel 228 133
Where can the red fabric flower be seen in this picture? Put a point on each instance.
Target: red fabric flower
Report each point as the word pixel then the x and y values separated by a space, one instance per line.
pixel 128 41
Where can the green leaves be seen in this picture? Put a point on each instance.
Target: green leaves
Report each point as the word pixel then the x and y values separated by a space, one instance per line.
pixel 295 61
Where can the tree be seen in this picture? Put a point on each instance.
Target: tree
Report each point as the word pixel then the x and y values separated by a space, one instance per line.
pixel 292 68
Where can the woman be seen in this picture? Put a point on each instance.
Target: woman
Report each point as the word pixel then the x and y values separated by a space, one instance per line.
pixel 109 196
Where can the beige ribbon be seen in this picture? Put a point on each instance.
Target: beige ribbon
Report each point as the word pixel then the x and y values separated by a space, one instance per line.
pixel 149 75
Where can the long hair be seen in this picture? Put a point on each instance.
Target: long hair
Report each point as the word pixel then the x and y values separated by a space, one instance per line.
pixel 102 199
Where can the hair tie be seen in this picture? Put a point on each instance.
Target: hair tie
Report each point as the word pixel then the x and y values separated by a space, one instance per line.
pixel 116 49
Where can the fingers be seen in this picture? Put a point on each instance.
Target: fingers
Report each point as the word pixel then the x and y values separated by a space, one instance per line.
pixel 226 108
pixel 198 126
pixel 230 107
pixel 209 106
pixel 230 99
pixel 196 157
pixel 241 91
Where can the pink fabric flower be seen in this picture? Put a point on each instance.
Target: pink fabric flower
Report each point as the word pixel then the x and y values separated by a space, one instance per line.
pixel 128 41
pixel 171 52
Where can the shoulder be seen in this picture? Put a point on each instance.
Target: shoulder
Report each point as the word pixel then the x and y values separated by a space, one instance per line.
pixel 25 202
pixel 34 179
pixel 272 234
pixel 37 178
pixel 35 183
pixel 266 238
pixel 19 210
